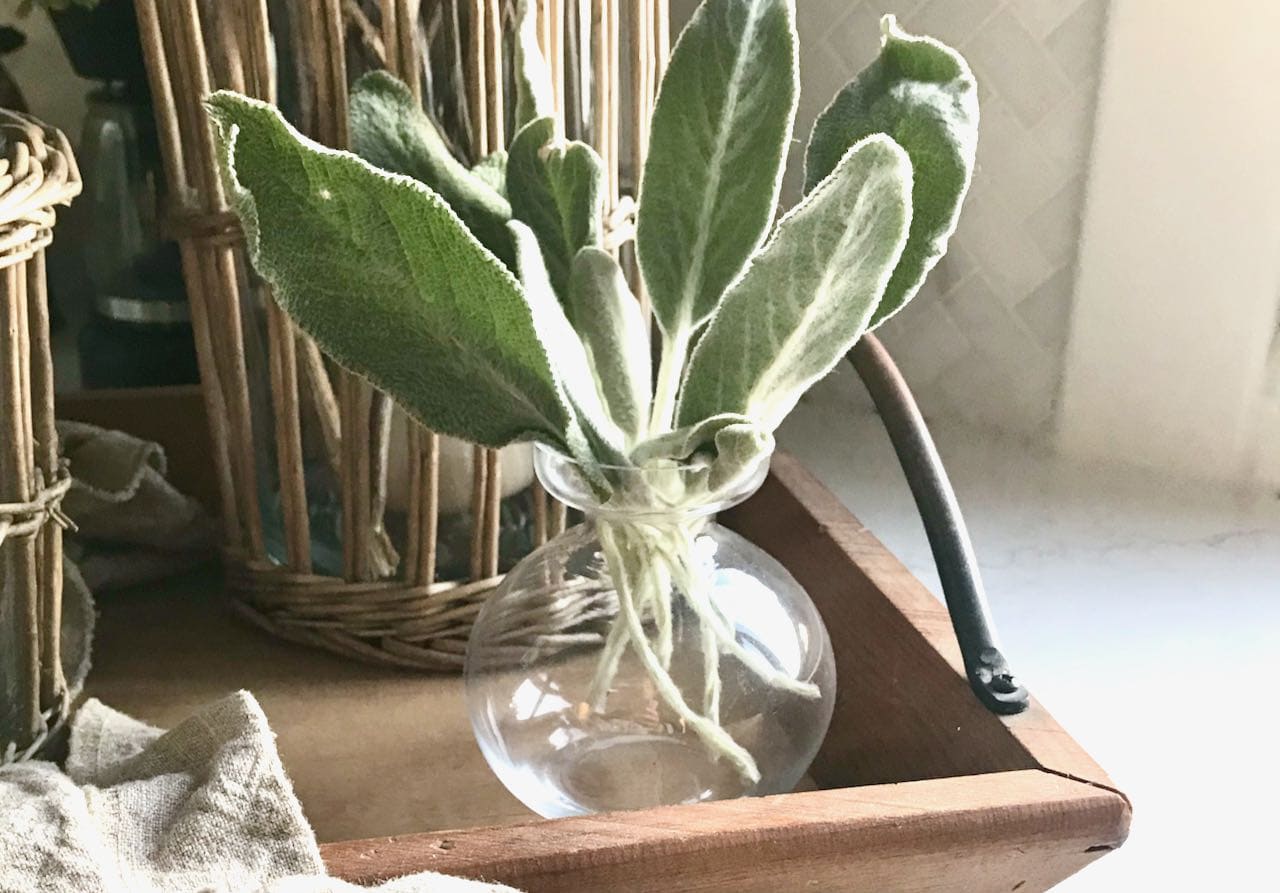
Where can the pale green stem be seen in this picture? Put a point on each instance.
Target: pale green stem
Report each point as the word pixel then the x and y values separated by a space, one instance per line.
pixel 690 582
pixel 647 567
pixel 711 732
pixel 607 668
pixel 654 597
pixel 675 350
pixel 710 672
pixel 660 599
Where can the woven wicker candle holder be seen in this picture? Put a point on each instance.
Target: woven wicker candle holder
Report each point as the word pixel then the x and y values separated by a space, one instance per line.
pixel 37 172
pixel 322 548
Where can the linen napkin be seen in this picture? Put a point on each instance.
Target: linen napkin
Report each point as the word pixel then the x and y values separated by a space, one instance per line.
pixel 132 525
pixel 203 807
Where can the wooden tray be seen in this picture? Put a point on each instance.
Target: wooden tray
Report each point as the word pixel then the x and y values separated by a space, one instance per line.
pixel 917 788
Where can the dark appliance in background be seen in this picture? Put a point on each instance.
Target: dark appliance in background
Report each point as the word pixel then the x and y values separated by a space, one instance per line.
pixel 136 327
pixel 11 39
pixel 139 331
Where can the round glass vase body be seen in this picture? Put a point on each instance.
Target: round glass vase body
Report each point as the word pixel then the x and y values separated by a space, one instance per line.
pixel 648 656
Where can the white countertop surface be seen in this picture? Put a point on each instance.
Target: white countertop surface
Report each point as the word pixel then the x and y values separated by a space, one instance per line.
pixel 1144 612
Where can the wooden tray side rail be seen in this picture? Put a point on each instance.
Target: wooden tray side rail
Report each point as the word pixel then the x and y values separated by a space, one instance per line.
pixel 950 795
pixel 1023 831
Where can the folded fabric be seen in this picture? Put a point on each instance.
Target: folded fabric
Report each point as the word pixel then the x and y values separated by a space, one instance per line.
pixel 132 524
pixel 203 807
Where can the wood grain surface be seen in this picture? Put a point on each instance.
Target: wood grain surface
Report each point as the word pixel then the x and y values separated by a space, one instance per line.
pixel 1021 831
pixel 371 751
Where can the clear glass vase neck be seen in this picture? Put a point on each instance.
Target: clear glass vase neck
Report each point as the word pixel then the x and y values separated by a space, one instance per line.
pixel 659 493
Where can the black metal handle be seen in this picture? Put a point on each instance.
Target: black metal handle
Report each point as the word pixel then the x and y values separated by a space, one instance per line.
pixel 989 674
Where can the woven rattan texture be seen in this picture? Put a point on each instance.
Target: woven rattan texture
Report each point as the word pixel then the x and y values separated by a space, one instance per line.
pixel 388 605
pixel 37 173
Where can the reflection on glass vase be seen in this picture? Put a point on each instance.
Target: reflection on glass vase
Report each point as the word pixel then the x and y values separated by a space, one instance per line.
pixel 648 656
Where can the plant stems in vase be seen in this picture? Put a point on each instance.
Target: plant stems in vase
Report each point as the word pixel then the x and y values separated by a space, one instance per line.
pixel 664 641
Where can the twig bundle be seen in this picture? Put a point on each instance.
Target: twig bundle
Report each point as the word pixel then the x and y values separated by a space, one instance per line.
pixel 37 172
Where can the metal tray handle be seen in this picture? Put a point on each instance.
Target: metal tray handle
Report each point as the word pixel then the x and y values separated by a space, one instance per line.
pixel 989 674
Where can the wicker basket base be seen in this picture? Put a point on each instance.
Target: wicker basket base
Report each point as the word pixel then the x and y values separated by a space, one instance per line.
pixel 390 623
pixel 412 627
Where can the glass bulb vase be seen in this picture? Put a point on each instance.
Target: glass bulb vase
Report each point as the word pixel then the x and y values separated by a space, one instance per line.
pixel 648 656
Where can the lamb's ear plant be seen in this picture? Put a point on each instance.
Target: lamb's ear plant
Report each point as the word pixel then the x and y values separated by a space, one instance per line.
pixel 718 147
pixel 557 188
pixel 535 96
pixel 483 299
pixel 921 93
pixel 390 130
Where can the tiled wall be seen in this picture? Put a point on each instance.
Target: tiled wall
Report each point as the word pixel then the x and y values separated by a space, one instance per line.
pixel 984 341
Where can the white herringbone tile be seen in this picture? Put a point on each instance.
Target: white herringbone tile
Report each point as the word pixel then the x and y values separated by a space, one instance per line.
pixel 951 22
pixel 1017 67
pixel 1046 312
pixel 1041 17
pixel 1055 225
pixel 928 342
pixel 1076 44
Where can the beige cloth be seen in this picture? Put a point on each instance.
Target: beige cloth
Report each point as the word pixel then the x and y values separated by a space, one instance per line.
pixel 132 525
pixel 204 807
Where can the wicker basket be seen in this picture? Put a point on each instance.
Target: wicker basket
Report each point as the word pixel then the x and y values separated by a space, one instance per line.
pixel 281 414
pixel 37 172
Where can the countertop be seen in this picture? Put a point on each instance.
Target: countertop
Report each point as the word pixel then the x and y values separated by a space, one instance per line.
pixel 1143 611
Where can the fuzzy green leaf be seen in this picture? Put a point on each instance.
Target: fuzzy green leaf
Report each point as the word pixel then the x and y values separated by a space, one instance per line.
pixel 535 97
pixel 557 189
pixel 380 271
pixel 683 443
pixel 719 140
pixel 922 94
pixel 808 295
pixel 571 356
pixel 738 451
pixel 607 316
pixel 492 171
pixel 390 130
pixel 729 446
